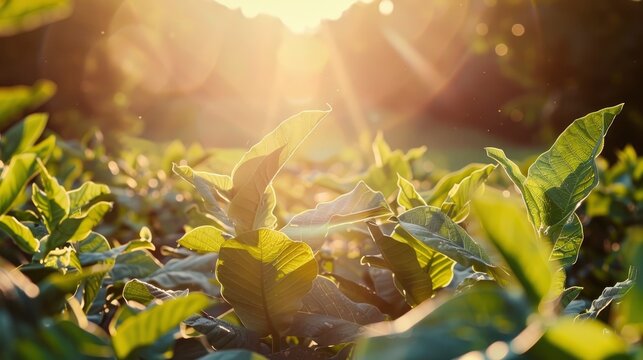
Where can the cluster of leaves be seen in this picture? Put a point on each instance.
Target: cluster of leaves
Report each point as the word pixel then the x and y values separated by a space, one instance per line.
pixel 400 262
pixel 396 265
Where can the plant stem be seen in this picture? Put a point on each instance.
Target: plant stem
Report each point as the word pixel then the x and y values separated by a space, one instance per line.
pixel 276 342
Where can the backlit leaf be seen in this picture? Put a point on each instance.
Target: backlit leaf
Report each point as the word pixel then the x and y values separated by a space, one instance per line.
pixel 264 276
pixel 360 204
pixel 145 328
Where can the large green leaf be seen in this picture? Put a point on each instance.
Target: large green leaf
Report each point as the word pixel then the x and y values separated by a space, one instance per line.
pixel 360 204
pixel 84 195
pixel 561 178
pixel 469 321
pixel 52 201
pixel 16 100
pixel 251 208
pixel 256 169
pixel 17 15
pixel 264 276
pixel 145 328
pixel 435 229
pixel 76 229
pixel 408 197
pixel 456 205
pixel 14 178
pixel 412 274
pixel 19 233
pixel 22 135
pixel 203 239
pixel 506 225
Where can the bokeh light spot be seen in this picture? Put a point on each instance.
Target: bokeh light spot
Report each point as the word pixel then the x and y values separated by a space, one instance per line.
pixel 518 30
pixel 482 29
pixel 502 49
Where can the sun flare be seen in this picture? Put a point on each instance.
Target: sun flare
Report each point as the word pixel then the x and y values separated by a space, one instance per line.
pixel 298 16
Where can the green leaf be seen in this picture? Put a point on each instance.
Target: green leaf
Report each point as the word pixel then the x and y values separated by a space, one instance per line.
pixel 203 239
pixel 436 230
pixel 88 258
pixel 506 225
pixel 256 169
pixel 14 178
pixel 567 246
pixel 325 298
pixel 469 321
pixel 193 272
pixel 456 205
pixel 19 233
pixel 384 177
pixel 360 204
pixel 93 285
pixel 23 135
pixel 137 264
pixel 76 229
pixel 440 191
pixel 233 355
pixel 408 197
pixel 144 293
pixel 19 16
pixel 589 339
pixel 16 100
pixel 561 178
pixel 439 266
pixel 510 167
pixel 568 295
pixel 325 330
pixel 264 276
pixel 329 317
pixel 84 195
pixel 610 294
pixel 52 201
pixel 145 328
pixel 222 335
pixel 412 275
pixel 381 150
pixel 220 183
pixel 44 149
pixel 62 259
pixel 207 186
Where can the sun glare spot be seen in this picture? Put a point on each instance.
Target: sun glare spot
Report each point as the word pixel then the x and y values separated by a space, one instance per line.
pixel 386 7
pixel 502 49
pixel 298 16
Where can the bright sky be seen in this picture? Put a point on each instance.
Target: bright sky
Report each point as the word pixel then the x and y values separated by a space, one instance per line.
pixel 297 15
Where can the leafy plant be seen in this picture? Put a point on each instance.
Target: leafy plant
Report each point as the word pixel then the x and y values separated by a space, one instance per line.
pixel 394 261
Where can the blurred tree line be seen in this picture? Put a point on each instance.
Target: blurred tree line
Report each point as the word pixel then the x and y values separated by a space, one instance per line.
pixel 535 66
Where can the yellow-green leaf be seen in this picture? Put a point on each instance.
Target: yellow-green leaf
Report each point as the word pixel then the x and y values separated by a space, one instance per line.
pixel 203 239
pixel 145 328
pixel 19 233
pixel 264 276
